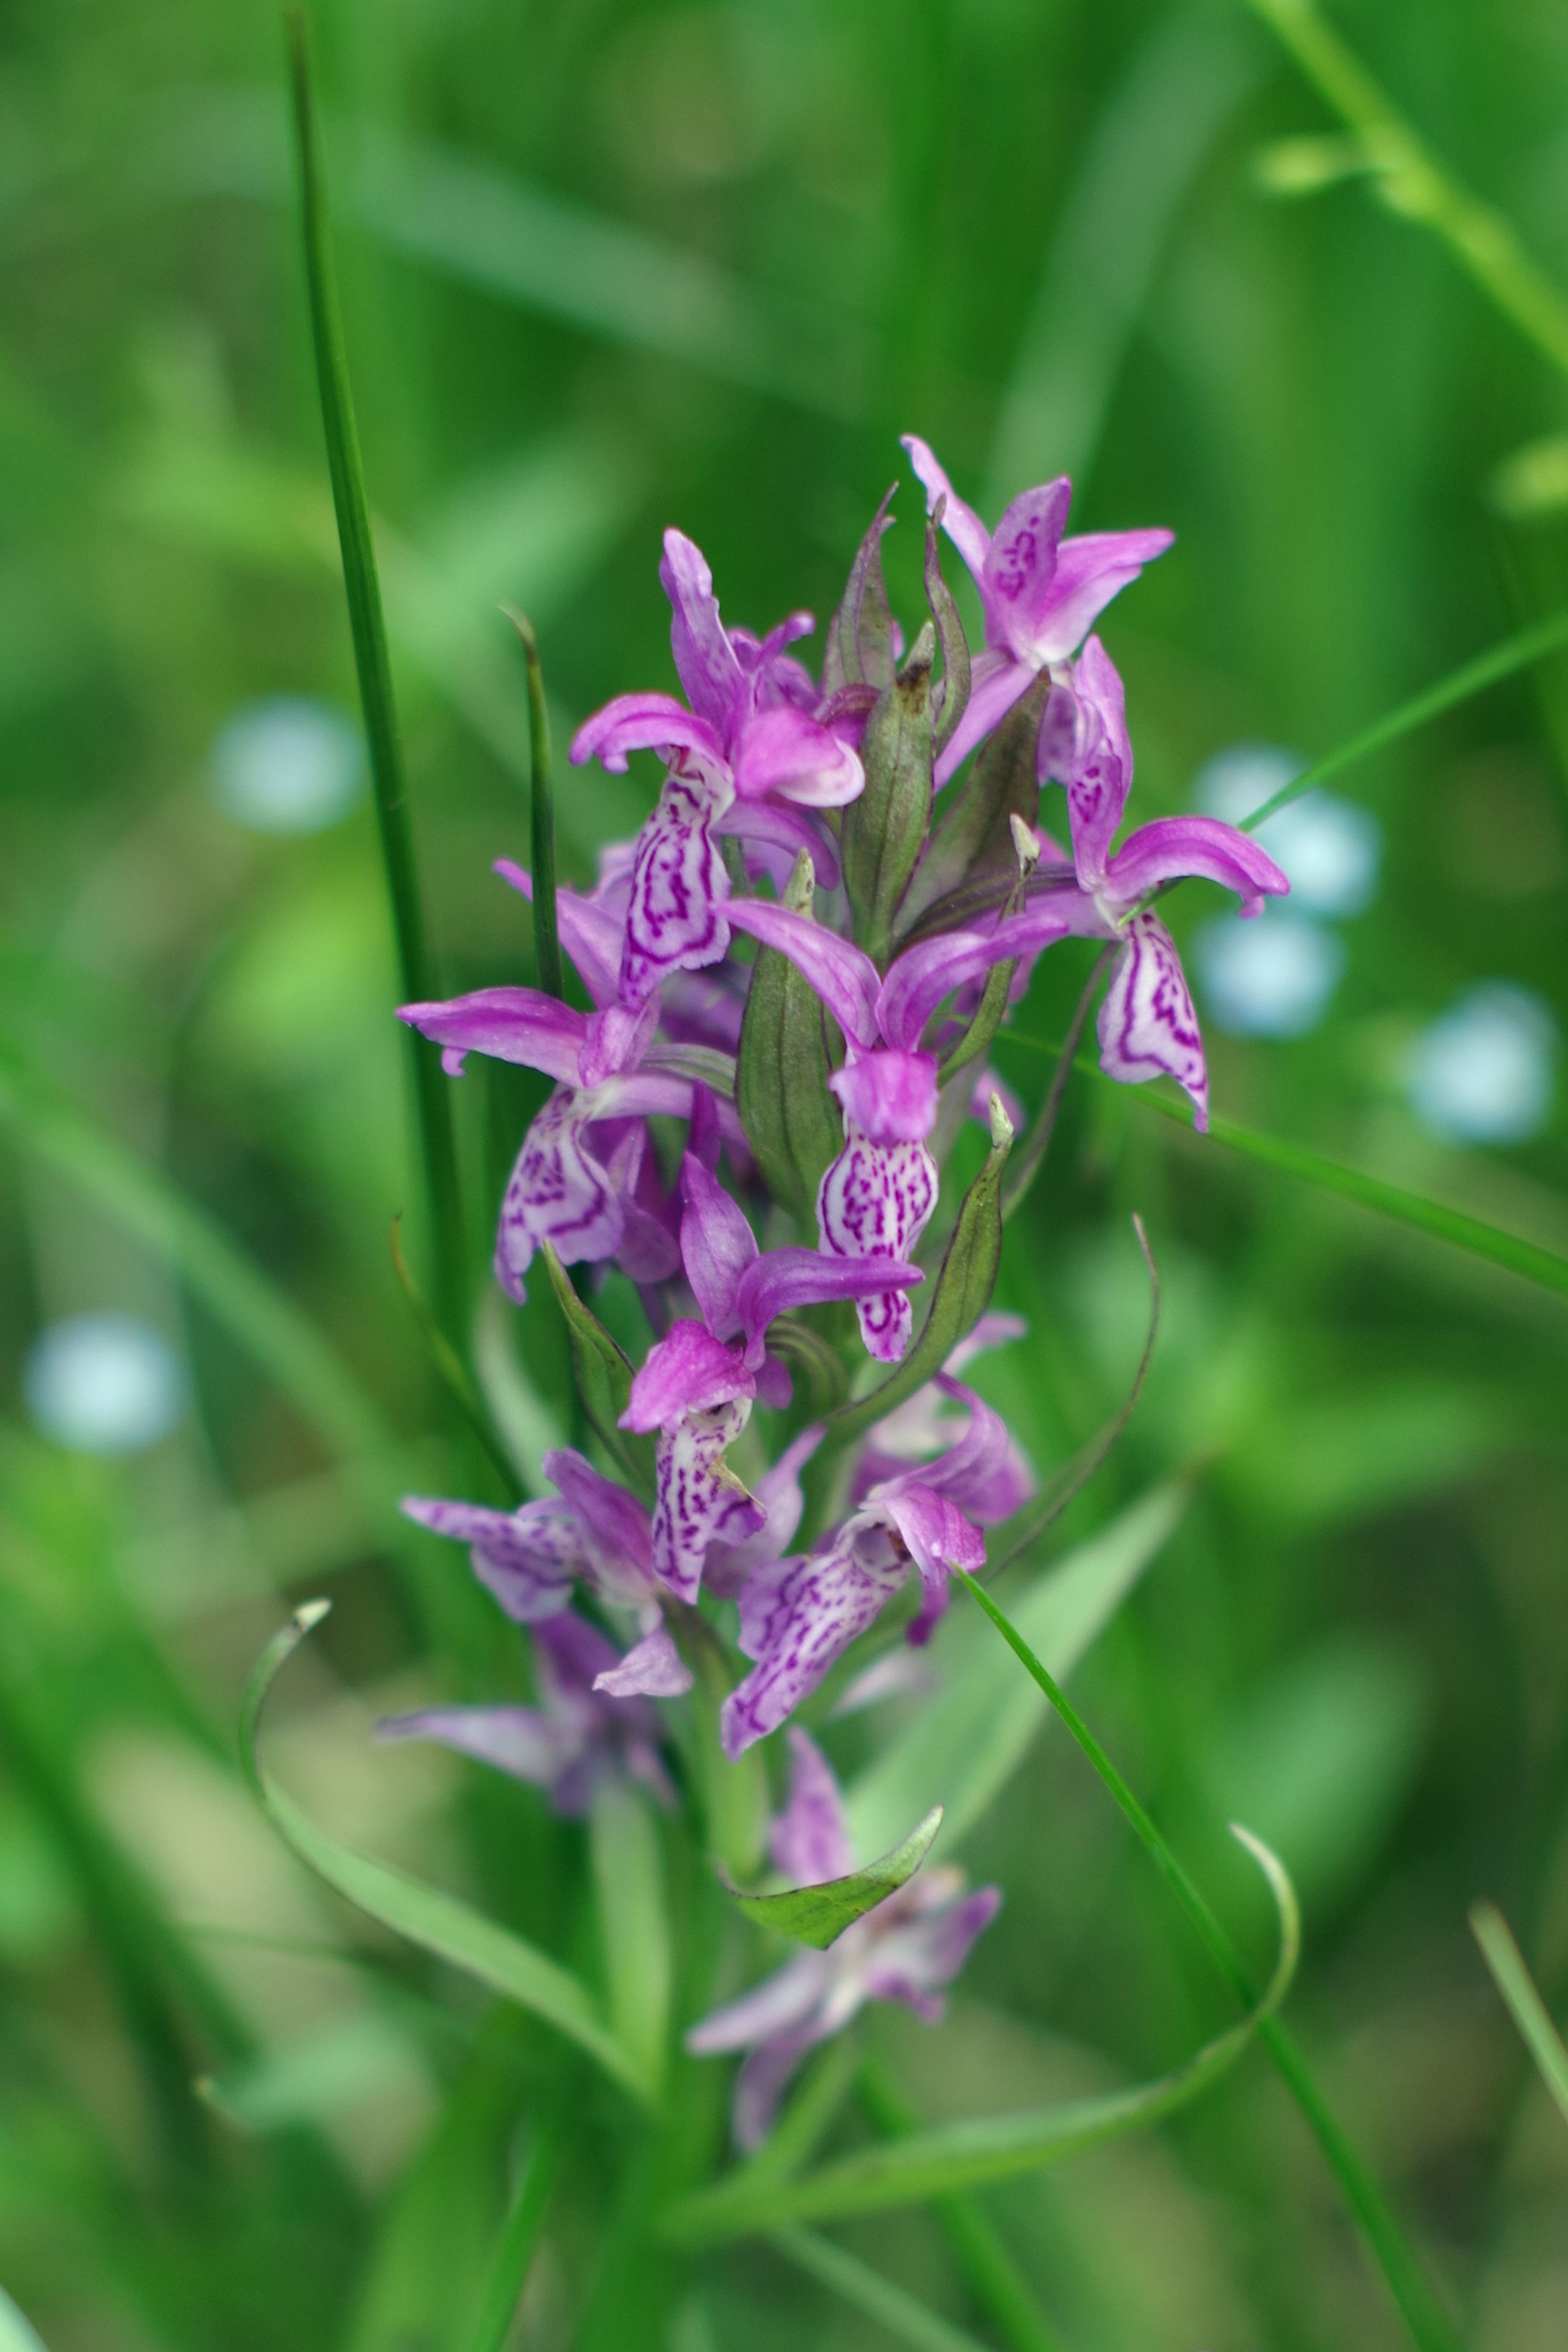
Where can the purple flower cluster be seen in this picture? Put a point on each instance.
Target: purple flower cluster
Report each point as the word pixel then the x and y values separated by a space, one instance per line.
pixel 785 807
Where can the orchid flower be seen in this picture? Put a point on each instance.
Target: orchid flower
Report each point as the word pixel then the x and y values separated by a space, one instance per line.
pixel 1039 592
pixel 586 1731
pixel 876 1198
pixel 530 1558
pixel 1147 1024
pixel 925 1425
pixel 906 1948
pixel 697 1385
pixel 799 1616
pixel 744 759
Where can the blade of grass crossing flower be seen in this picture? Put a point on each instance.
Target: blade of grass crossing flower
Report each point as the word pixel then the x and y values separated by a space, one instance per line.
pixel 947 2158
pixel 866 2291
pixel 373 664
pixel 1487 669
pixel 520 2238
pixel 993 2278
pixel 437 1922
pixel 1423 2317
pixel 542 813
pixel 816 1914
pixel 1525 2006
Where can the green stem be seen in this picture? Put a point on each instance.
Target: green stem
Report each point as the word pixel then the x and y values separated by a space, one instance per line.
pixel 1409 179
pixel 373 664
pixel 542 813
pixel 514 2255
pixel 993 2277
pixel 1428 2324
pixel 1027 1164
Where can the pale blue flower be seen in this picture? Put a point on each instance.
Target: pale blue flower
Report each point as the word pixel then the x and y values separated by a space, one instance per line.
pixel 1271 978
pixel 1331 850
pixel 1483 1072
pixel 106 1384
pixel 288 765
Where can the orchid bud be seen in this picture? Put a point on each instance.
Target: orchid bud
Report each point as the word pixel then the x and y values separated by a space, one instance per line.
pixel 885 829
pixel 791 1120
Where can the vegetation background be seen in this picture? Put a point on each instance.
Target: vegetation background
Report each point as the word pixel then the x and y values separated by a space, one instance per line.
pixel 607 267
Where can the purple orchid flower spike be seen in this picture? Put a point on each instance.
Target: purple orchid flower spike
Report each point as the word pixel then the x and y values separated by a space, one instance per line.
pixel 583 1733
pixel 876 1199
pixel 530 1558
pixel 697 1384
pixel 1040 592
pixel 1147 1024
pixel 799 1616
pixel 907 1948
pixel 746 758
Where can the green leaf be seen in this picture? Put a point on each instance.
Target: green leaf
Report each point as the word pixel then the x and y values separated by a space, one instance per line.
pixel 891 2307
pixel 884 829
pixel 373 664
pixel 437 1922
pixel 860 643
pixel 1525 2006
pixel 309 2080
pixel 735 1795
pixel 542 813
pixel 947 2157
pixel 963 1293
pixel 518 2240
pixel 816 1914
pixel 449 1366
pixel 966 1743
pixel 603 1379
pixel 973 844
pixel 634 1921
pixel 15 2336
pixel 954 643
pixel 790 1121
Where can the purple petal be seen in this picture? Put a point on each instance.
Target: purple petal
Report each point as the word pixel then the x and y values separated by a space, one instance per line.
pixel 937 1537
pixel 873 1204
pixel 843 975
pixel 961 523
pixel 1099 773
pixel 527 1558
pixel 647 722
pixel 780 2002
pixel 614 1533
pixel 513 1025
pixel 797 1617
pixel 516 1740
pixel 1174 846
pixel 700 1500
pixel 780 1495
pixel 997 682
pixel 615 1041
pixel 717 1246
pixel 705 660
pixel 1021 564
pixel 809 1841
pixel 785 1279
pixel 686 1371
pixel 590 934
pixel 782 751
pixel 765 2077
pixel 891 1095
pixel 675 920
pixel 1090 572
pixel 969 1466
pixel 654 1669
pixel 1147 1027
pixel 913 1963
pixel 557 1193
pixel 778 827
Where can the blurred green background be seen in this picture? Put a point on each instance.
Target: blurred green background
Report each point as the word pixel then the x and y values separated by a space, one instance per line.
pixel 607 267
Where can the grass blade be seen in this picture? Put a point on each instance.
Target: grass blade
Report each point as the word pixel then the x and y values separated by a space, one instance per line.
pixel 1525 2006
pixel 514 2255
pixel 438 1922
pixel 1427 2323
pixel 947 2158
pixel 373 662
pixel 868 2291
pixel 1487 670
pixel 15 2336
pixel 816 1915
pixel 542 813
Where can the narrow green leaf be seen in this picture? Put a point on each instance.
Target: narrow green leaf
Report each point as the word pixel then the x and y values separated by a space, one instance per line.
pixel 1487 669
pixel 1407 2283
pixel 542 813
pixel 949 2158
pixel 1525 2006
pixel 449 1366
pixel 816 1914
pixel 792 1122
pixel 437 1922
pixel 892 2307
pixel 735 1795
pixel 1030 1158
pixel 977 1038
pixel 973 843
pixel 860 643
pixel 634 1922
pixel 966 1743
pixel 884 830
pixel 15 2336
pixel 307 2081
pixel 603 1379
pixel 963 1293
pixel 514 2255
pixel 955 673
pixel 373 664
